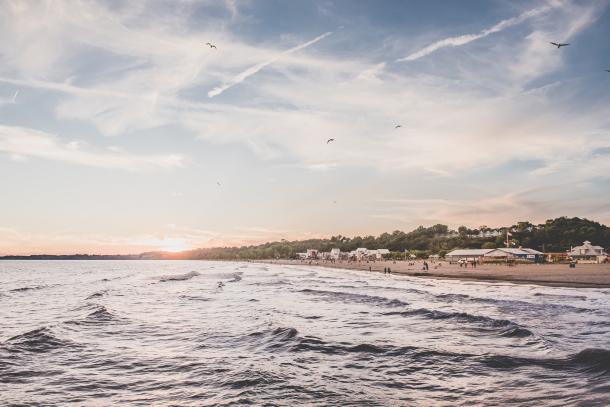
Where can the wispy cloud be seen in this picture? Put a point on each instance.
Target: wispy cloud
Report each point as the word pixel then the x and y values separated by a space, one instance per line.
pixel 254 69
pixel 9 100
pixel 467 38
pixel 21 143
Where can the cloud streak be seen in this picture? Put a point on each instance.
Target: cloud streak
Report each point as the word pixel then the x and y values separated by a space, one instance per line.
pixel 256 68
pixel 21 143
pixel 467 38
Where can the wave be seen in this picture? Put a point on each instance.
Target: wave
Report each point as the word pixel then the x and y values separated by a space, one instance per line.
pixel 32 288
pixel 516 303
pixel 289 340
pixel 178 277
pixel 194 298
pixel 236 278
pixel 97 294
pixel 98 315
pixel 561 296
pixel 341 296
pixel 39 340
pixel 512 329
pixel 592 360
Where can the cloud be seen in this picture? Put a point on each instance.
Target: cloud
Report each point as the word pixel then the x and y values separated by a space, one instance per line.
pixel 536 204
pixel 9 100
pixel 467 38
pixel 24 142
pixel 254 69
pixel 138 71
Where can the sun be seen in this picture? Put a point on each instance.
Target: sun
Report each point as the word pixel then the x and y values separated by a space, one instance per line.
pixel 175 246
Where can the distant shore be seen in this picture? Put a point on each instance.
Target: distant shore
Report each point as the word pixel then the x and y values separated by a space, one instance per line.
pixel 555 275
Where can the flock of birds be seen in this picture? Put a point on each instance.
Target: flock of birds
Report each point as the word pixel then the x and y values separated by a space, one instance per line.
pixel 330 140
pixel 397 126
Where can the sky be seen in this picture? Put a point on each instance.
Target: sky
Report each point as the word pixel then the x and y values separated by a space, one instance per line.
pixel 121 131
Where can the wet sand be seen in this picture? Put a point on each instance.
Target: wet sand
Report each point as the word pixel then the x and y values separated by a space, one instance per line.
pixel 557 275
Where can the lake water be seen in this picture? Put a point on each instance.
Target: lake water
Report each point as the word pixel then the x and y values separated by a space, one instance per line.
pixel 207 333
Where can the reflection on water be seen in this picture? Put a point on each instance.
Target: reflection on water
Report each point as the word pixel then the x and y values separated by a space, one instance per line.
pixel 199 333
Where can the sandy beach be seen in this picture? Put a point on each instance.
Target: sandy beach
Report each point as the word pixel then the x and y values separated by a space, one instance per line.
pixel 557 275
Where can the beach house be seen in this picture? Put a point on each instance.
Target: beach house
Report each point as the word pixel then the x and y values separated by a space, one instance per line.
pixel 480 255
pixel 378 254
pixel 312 254
pixel 510 253
pixel 467 254
pixel 587 253
pixel 335 254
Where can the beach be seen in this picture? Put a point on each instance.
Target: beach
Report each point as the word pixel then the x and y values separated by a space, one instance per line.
pixel 556 275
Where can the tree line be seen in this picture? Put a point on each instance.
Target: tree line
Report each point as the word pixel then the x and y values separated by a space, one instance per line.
pixel 555 235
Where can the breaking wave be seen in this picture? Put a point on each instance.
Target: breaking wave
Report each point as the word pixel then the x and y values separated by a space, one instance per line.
pixel 32 288
pixel 39 340
pixel 355 298
pixel 178 277
pixel 97 294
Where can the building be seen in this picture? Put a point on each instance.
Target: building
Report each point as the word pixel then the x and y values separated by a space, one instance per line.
pixel 510 253
pixel 501 253
pixel 363 253
pixel 381 254
pixel 467 254
pixel 534 255
pixel 335 254
pixel 312 254
pixel 587 253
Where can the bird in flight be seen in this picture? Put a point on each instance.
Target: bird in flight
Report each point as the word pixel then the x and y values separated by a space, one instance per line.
pixel 559 45
pixel 397 126
pixel 218 183
pixel 607 70
pixel 329 140
pixel 15 97
pixel 211 45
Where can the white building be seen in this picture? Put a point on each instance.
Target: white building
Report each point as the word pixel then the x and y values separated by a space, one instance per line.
pixel 335 254
pixel 312 254
pixel 468 254
pixel 587 253
pixel 381 253
pixel 363 253
pixel 500 253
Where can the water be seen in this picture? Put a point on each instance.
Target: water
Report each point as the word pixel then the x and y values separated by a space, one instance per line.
pixel 204 333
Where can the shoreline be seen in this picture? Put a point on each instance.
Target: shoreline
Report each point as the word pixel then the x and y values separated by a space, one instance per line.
pixel 549 275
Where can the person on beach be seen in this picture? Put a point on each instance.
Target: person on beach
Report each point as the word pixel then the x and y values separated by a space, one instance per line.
pixel 389 270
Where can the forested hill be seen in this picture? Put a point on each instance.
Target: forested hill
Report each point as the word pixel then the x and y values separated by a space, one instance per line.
pixel 555 235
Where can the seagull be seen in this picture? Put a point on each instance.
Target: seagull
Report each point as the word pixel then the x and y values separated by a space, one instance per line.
pixel 218 183
pixel 397 126
pixel 211 45
pixel 14 100
pixel 559 45
pixel 607 70
pixel 329 140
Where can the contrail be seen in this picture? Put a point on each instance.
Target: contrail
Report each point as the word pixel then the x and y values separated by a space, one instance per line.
pixel 254 69
pixel 465 39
